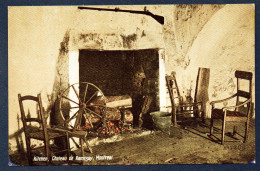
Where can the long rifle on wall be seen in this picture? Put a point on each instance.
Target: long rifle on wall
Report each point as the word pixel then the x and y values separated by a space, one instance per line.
pixel 158 18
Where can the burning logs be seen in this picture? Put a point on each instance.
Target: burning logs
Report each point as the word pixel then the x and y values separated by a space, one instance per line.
pixel 114 104
pixel 117 114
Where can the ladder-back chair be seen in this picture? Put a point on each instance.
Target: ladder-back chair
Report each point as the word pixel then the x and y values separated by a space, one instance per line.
pixel 180 109
pixel 35 127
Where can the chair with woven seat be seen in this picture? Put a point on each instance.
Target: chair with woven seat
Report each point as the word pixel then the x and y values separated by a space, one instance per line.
pixel 240 112
pixel 181 111
pixel 35 127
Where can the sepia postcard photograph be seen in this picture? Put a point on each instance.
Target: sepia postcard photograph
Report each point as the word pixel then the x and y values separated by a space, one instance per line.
pixel 131 84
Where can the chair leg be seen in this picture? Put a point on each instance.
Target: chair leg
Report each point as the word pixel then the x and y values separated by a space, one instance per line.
pixel 68 146
pixel 203 117
pixel 223 131
pixel 246 131
pixel 47 151
pixel 211 126
pixel 174 117
pixel 234 130
pixel 29 153
pixel 82 148
pixel 90 149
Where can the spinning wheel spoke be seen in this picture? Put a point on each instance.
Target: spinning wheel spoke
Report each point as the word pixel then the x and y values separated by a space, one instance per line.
pixel 71 126
pixel 68 124
pixel 70 100
pixel 85 93
pixel 92 97
pixel 74 107
pixel 77 94
pixel 94 113
pixel 72 117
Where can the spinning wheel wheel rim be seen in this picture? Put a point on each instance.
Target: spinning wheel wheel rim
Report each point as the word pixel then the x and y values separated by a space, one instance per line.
pixel 83 103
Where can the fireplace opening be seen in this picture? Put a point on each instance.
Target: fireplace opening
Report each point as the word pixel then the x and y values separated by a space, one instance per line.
pixel 116 73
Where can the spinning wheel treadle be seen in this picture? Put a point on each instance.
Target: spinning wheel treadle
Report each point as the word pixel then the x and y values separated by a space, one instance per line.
pixel 82 107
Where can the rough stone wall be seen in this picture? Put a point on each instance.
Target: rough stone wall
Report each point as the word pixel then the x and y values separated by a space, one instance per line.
pixel 225 44
pixel 219 37
pixel 61 80
pixel 115 41
pixel 182 29
pixel 103 30
pixel 183 24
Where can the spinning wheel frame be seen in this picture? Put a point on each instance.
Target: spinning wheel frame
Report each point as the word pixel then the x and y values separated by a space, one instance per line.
pixel 78 104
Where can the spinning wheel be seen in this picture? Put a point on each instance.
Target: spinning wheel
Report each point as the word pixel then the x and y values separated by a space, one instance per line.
pixel 82 106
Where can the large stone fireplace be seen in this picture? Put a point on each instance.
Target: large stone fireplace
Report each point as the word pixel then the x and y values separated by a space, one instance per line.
pixel 122 72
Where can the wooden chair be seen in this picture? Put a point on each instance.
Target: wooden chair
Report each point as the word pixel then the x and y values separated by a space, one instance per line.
pixel 180 109
pixel 81 135
pixel 234 113
pixel 40 132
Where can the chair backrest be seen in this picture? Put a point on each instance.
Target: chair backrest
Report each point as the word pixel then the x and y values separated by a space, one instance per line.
pixel 41 120
pixel 243 75
pixel 173 90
